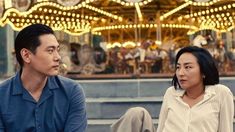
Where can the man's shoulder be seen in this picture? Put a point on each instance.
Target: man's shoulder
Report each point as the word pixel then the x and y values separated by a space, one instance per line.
pixel 6 83
pixel 69 86
pixel 66 83
pixel 5 87
pixel 66 80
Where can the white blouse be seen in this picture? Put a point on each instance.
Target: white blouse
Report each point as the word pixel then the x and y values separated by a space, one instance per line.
pixel 212 114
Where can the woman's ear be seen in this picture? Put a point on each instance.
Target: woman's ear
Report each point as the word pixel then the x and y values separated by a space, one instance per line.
pixel 203 76
pixel 25 54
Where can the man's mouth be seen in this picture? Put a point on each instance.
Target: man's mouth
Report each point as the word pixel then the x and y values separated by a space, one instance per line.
pixel 56 66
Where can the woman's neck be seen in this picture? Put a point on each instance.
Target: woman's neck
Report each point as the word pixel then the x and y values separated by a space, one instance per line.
pixel 195 92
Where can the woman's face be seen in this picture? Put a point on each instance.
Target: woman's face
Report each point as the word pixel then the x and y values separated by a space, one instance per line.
pixel 188 72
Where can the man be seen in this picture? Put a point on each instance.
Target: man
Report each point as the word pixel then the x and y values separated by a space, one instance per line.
pixel 36 99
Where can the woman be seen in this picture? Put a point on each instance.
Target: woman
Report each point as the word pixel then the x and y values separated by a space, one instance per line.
pixel 196 102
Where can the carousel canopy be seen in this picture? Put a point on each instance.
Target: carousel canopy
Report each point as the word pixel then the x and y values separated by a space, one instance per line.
pixel 121 19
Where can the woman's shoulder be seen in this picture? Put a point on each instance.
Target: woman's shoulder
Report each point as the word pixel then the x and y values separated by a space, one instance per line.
pixel 172 91
pixel 221 89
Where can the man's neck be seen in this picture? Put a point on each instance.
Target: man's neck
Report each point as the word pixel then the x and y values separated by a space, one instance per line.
pixel 33 82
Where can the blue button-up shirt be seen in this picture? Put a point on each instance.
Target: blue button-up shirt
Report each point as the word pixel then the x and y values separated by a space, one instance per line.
pixel 61 107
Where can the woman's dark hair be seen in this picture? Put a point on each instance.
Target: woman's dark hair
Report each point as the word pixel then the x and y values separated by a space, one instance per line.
pixel 29 38
pixel 206 63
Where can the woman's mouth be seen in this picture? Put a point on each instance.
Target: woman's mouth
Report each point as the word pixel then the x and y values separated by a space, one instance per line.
pixel 182 81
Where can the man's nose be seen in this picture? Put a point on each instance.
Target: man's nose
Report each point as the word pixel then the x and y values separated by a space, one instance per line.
pixel 57 56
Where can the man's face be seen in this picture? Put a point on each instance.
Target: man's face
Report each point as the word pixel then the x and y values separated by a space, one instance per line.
pixel 46 59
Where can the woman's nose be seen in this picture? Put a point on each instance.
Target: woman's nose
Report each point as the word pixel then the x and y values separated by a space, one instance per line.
pixel 180 71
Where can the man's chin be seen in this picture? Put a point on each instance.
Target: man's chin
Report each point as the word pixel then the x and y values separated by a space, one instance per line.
pixel 53 73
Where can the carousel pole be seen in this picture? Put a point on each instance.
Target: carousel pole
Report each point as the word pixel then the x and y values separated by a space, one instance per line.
pixel 8 68
pixel 158 28
pixel 109 42
pixel 191 24
pixel 136 29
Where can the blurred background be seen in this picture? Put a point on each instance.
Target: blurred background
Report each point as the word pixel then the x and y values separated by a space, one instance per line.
pixel 122 51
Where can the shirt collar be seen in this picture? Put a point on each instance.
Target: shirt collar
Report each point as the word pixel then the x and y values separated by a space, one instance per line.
pixel 52 82
pixel 209 90
pixel 18 87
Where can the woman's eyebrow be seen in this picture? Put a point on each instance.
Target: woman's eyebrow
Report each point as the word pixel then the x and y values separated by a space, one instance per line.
pixel 186 63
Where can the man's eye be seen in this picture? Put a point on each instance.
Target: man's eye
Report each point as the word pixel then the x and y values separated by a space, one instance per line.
pixel 50 51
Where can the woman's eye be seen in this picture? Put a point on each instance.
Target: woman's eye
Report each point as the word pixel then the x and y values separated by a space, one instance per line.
pixel 188 67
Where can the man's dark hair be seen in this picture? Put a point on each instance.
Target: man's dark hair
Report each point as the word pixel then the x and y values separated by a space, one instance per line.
pixel 29 38
pixel 206 63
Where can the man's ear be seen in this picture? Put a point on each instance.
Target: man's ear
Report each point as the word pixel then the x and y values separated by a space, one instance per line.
pixel 25 54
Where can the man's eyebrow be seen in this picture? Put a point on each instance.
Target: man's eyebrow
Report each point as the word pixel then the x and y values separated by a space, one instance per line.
pixel 54 47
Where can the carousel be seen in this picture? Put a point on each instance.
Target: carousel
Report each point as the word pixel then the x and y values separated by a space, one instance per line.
pixel 129 37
